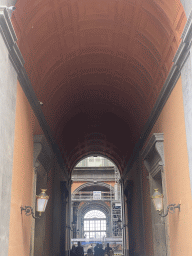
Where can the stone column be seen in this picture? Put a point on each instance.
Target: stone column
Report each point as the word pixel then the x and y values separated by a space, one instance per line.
pixel 74 219
pixel 123 217
pixel 68 214
pixel 65 225
pixel 130 238
pixel 126 233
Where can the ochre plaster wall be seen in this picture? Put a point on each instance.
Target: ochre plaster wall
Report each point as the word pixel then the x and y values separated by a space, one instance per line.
pixel 171 123
pixel 20 225
pixel 112 183
pixel 76 184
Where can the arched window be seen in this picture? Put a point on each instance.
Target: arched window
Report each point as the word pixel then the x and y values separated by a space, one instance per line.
pixel 94 224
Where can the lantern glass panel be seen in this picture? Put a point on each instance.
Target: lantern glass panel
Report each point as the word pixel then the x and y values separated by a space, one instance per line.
pixel 158 200
pixel 41 204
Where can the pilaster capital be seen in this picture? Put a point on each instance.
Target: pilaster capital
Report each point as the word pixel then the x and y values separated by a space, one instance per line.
pixel 153 154
pixel 42 153
pixel 37 147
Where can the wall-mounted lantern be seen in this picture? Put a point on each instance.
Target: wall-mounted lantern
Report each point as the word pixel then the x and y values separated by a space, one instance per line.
pixel 157 199
pixel 41 203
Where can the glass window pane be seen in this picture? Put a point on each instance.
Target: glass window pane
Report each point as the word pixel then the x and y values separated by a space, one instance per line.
pixel 91 159
pixel 94 222
pixel 97 225
pixel 86 234
pixel 98 235
pixel 92 225
pixel 86 225
pixel 94 214
pixel 103 234
pixel 103 224
pixel 92 235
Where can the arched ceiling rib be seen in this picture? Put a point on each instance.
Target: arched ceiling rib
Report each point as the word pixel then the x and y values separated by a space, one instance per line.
pixel 98 66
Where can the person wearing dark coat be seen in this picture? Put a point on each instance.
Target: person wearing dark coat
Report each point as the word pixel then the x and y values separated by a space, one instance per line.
pixel 96 248
pixel 108 249
pixel 79 250
pixel 89 252
pixel 72 251
pixel 100 251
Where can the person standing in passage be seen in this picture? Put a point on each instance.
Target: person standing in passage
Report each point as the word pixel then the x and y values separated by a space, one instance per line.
pixel 100 251
pixel 108 249
pixel 89 252
pixel 79 250
pixel 72 251
pixel 96 248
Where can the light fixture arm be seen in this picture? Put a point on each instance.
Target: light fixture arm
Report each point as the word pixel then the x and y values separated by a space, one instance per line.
pixel 29 211
pixel 170 208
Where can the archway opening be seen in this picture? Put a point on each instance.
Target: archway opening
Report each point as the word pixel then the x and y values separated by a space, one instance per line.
pixel 96 205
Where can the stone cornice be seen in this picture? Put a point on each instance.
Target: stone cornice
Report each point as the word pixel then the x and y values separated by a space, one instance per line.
pixel 156 138
pixel 37 147
pixel 153 154
pixel 178 61
pixel 8 34
pixel 42 152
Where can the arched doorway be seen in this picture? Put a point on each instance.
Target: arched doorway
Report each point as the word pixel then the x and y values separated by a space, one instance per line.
pixel 97 203
pixel 94 225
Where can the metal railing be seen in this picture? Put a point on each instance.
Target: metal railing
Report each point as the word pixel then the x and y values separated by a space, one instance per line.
pixel 89 195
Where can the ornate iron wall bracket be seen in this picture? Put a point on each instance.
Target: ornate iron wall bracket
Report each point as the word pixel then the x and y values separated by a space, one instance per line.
pixel 29 211
pixel 170 208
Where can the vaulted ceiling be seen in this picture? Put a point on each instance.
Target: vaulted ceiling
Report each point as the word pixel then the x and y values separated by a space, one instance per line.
pixel 98 66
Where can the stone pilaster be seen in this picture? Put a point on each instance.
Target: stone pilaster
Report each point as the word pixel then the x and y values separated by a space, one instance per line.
pixel 153 156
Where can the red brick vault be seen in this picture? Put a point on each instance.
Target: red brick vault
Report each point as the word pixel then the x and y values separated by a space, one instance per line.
pixel 98 66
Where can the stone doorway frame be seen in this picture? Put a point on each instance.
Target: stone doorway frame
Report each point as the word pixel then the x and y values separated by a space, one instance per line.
pixel 153 156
